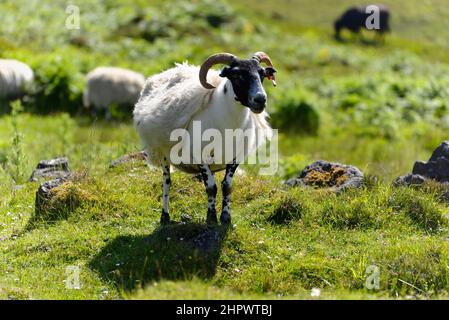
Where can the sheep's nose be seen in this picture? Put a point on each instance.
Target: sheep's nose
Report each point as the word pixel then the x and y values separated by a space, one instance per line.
pixel 260 98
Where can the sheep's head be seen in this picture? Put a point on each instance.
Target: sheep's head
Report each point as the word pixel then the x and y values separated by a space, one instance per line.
pixel 246 77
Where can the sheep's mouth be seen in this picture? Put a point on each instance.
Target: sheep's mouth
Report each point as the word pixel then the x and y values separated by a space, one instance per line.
pixel 257 108
pixel 254 107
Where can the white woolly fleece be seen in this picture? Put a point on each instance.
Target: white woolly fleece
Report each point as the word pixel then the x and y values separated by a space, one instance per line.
pixel 174 99
pixel 13 77
pixel 108 85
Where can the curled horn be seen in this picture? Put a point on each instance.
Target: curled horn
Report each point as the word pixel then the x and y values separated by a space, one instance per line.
pixel 270 70
pixel 224 58
pixel 263 57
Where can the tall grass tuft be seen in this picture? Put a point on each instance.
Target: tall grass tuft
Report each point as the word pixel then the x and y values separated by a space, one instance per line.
pixel 16 161
pixel 66 132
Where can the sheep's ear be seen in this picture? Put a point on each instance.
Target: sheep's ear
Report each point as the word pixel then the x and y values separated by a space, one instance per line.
pixel 225 72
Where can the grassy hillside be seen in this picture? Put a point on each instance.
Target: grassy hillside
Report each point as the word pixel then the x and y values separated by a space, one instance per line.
pixel 282 243
pixel 420 26
pixel 377 106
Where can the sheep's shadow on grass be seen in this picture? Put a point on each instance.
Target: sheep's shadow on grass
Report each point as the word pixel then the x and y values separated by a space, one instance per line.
pixel 175 252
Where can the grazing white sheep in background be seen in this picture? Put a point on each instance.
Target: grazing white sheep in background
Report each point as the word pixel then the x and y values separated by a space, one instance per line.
pixel 14 75
pixel 183 95
pixel 112 85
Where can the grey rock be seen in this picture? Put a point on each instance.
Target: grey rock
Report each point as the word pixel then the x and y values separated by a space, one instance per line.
pixel 437 168
pixel 442 151
pixel 354 177
pixel 136 156
pixel 51 169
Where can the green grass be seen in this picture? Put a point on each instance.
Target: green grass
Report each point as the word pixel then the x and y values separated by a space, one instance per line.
pixel 283 243
pixel 413 23
pixel 379 107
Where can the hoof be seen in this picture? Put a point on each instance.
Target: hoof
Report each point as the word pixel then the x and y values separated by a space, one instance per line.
pixel 225 218
pixel 165 218
pixel 211 220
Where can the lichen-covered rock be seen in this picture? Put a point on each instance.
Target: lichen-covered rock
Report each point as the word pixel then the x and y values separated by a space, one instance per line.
pixel 43 194
pixel 136 156
pixel 59 197
pixel 323 174
pixel 51 169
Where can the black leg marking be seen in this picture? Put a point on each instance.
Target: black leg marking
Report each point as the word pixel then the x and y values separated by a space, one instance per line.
pixel 166 183
pixel 226 188
pixel 165 218
pixel 211 190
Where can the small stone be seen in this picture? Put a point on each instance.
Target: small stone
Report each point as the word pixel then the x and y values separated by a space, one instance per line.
pixel 185 217
pixel 409 180
pixel 136 156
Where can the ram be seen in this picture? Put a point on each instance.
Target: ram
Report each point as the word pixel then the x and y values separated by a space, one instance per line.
pixel 14 76
pixel 111 85
pixel 187 97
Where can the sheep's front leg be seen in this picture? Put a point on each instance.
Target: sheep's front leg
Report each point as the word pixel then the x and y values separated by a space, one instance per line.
pixel 211 190
pixel 166 182
pixel 226 188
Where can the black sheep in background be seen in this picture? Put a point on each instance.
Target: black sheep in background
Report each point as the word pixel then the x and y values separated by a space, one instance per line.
pixel 355 19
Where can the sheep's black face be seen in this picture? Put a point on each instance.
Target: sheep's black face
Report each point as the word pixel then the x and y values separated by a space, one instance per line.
pixel 246 77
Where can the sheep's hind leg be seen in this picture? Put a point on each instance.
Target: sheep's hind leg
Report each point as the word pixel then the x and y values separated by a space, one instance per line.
pixel 211 190
pixel 226 188
pixel 166 182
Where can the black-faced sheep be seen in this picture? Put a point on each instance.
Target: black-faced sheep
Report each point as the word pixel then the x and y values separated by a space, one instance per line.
pixel 187 97
pixel 354 19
